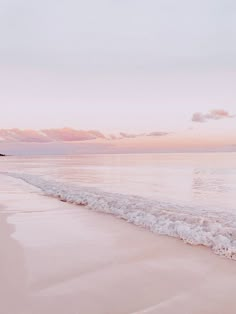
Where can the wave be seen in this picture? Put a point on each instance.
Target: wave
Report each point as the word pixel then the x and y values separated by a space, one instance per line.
pixel 214 229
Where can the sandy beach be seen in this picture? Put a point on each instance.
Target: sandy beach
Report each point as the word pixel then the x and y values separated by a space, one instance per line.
pixel 64 259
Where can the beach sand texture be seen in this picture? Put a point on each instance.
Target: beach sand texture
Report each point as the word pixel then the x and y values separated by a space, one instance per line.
pixel 64 259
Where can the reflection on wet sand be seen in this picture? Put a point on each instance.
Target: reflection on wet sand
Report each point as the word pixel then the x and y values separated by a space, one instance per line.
pixel 69 260
pixel 13 275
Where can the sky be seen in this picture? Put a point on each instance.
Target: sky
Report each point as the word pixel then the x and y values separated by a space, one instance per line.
pixel 127 69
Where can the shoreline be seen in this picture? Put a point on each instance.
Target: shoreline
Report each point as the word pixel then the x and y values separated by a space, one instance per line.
pixel 62 258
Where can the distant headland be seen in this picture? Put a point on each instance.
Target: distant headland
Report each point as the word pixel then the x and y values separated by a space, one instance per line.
pixel 2 155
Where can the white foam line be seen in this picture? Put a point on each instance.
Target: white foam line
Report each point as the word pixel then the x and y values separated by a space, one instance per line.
pixel 196 226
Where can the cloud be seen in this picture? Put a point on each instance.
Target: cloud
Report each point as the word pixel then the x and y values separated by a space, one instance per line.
pixel 48 135
pixel 198 117
pixel 113 137
pixel 65 135
pixel 129 135
pixel 16 135
pixel 70 135
pixel 154 134
pixel 97 134
pixel 157 134
pixel 216 114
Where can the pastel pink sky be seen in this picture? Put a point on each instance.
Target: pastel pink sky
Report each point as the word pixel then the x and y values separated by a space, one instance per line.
pixel 212 131
pixel 150 83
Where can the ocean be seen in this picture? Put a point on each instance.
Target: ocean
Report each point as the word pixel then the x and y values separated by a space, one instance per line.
pixel 189 196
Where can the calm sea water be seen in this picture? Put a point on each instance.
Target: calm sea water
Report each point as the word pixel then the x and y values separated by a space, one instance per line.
pixel 189 196
pixel 198 179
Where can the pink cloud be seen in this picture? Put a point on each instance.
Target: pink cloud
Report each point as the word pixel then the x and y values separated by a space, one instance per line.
pixel 128 135
pixel 158 134
pixel 154 134
pixel 16 135
pixel 215 114
pixel 49 135
pixel 113 137
pixel 65 135
pixel 197 140
pixel 69 135
pixel 97 134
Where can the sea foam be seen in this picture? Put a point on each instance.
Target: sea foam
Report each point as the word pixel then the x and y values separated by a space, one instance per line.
pixel 196 226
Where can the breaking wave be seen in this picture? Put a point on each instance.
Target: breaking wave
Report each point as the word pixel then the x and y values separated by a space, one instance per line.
pixel 214 229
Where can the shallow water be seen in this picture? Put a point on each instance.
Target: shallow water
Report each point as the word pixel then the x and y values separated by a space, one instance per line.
pixel 190 196
pixel 196 179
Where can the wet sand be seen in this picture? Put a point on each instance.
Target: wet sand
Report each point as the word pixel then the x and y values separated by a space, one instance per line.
pixel 64 259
